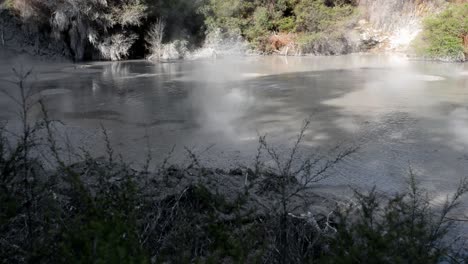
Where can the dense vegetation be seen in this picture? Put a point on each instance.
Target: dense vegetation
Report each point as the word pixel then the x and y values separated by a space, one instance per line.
pixel 311 22
pixel 445 35
pixel 118 29
pixel 102 211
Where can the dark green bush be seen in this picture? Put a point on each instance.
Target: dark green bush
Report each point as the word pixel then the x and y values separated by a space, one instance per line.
pixel 402 228
pixel 315 16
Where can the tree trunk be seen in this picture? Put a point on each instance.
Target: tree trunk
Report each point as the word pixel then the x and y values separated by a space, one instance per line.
pixel 2 36
pixel 284 258
pixel 465 43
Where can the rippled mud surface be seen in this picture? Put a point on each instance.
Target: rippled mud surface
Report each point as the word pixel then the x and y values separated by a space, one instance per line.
pixel 400 113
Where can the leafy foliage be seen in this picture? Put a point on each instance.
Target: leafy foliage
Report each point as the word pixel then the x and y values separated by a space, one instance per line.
pixel 119 29
pixel 258 20
pixel 445 35
pixel 315 16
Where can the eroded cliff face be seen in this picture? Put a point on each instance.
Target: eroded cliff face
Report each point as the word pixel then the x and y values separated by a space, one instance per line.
pixel 17 37
pixel 393 24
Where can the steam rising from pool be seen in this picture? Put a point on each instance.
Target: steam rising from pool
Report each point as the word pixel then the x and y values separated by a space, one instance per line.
pixel 398 22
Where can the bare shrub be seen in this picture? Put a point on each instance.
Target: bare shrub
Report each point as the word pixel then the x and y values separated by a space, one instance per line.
pixel 116 47
pixel 174 50
pixel 101 210
pixel 292 179
pixel 154 39
pixel 25 194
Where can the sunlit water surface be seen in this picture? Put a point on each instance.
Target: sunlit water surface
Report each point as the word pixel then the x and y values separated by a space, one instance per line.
pixel 400 113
